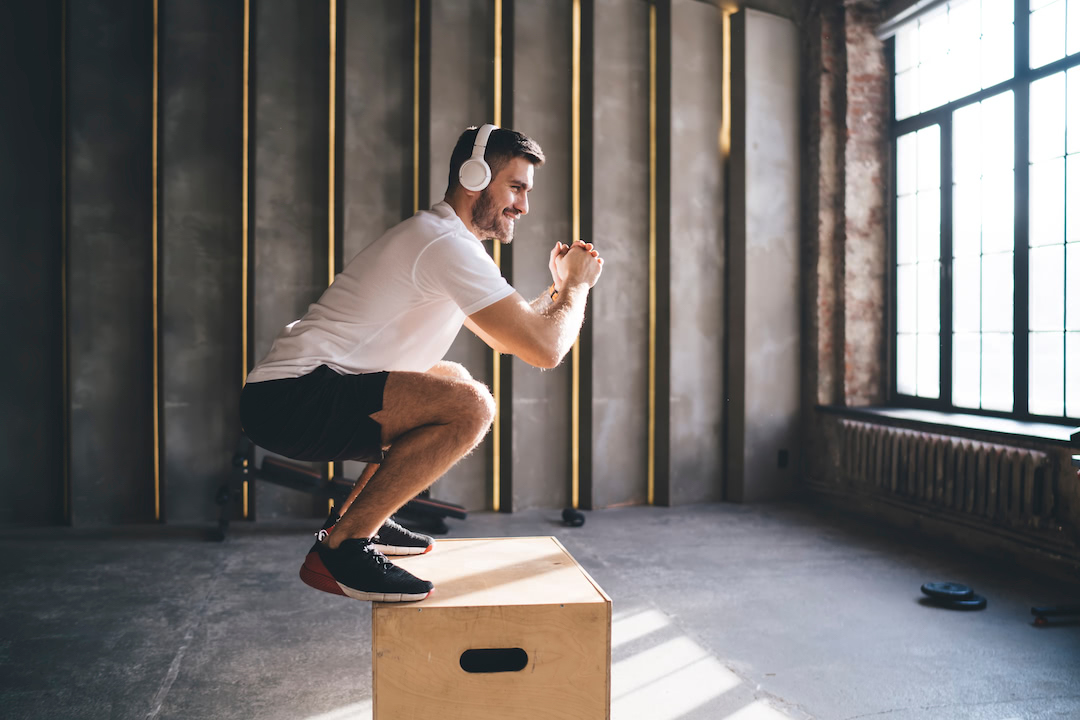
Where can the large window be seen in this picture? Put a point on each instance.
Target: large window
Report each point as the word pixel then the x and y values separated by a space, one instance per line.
pixel 986 143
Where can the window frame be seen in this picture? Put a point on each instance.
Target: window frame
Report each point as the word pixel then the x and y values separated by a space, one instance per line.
pixel 1020 84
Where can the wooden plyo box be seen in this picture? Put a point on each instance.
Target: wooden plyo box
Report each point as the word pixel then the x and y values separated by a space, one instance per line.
pixel 495 596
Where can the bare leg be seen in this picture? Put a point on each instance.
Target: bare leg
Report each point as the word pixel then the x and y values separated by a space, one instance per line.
pixel 443 368
pixel 456 371
pixel 429 421
pixel 361 481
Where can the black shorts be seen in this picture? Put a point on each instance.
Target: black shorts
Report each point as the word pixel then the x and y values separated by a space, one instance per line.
pixel 318 417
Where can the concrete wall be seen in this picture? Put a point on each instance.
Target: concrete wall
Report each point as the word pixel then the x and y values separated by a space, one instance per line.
pixel 764 332
pixel 31 294
pixel 620 209
pixel 116 467
pixel 110 273
pixel 291 184
pixel 462 94
pixel 201 114
pixel 376 165
pixel 541 109
pixel 696 252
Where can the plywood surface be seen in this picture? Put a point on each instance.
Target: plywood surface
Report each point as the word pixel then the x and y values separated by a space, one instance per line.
pixel 501 571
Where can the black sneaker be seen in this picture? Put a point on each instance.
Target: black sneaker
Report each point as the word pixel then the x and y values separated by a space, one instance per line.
pixel 393 539
pixel 356 569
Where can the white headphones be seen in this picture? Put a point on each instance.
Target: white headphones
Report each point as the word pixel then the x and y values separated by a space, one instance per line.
pixel 475 173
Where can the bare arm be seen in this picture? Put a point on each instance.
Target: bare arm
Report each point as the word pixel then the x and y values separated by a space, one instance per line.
pixel 538 305
pixel 541 336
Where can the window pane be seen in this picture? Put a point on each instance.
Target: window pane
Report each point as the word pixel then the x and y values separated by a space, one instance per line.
pixel 929 151
pixel 966 370
pixel 997 372
pixel 929 247
pixel 1072 99
pixel 966 222
pixel 907 94
pixel 1072 199
pixel 1072 375
pixel 906 164
pixel 1046 380
pixel 933 84
pixel 997 133
pixel 997 203
pixel 1047 217
pixel 929 353
pixel 997 56
pixel 929 298
pixel 965 68
pixel 967 148
pixel 1072 286
pixel 966 294
pixel 1047 34
pixel 906 47
pixel 1036 4
pixel 906 298
pixel 1072 29
pixel 1047 288
pixel 933 36
pixel 906 229
pixel 997 293
pixel 905 364
pixel 997 15
pixel 1047 128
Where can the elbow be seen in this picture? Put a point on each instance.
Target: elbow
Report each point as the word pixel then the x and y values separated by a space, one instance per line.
pixel 543 357
pixel 548 362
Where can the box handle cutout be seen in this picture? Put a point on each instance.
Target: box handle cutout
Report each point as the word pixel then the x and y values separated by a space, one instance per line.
pixel 494 660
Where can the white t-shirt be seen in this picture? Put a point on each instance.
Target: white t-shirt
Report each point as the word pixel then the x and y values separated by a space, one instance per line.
pixel 398 305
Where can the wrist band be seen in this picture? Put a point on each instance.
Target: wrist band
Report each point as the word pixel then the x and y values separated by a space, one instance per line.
pixel 553 293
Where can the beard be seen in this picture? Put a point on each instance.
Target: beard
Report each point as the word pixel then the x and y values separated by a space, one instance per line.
pixel 490 220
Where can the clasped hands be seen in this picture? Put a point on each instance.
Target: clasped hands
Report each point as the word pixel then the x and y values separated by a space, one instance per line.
pixel 577 262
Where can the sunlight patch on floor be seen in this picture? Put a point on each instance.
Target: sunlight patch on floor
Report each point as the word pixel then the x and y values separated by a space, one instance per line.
pixel 667 681
pixel 639 624
pixel 757 710
pixel 356 711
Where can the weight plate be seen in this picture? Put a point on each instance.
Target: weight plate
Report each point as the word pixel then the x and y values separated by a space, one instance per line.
pixel 975 602
pixel 947 591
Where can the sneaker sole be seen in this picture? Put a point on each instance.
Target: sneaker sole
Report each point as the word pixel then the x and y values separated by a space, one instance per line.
pixel 396 550
pixel 315 574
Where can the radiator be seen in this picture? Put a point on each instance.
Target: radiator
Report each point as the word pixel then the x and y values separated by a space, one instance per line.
pixel 1002 484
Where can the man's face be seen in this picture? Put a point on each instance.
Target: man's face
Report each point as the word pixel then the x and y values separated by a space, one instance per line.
pixel 504 200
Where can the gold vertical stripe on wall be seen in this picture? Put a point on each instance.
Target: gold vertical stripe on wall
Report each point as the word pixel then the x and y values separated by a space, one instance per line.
pixel 725 90
pixel 496 251
pixel 652 254
pixel 244 238
pixel 416 109
pixel 333 92
pixel 575 234
pixel 154 271
pixel 65 385
pixel 332 245
pixel 244 208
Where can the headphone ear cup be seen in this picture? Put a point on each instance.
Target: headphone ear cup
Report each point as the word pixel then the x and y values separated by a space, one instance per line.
pixel 475 174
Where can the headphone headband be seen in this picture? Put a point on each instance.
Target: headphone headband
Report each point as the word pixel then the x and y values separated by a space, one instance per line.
pixel 475 174
pixel 480 144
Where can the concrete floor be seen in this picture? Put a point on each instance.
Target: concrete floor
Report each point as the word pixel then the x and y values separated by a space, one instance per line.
pixel 720 612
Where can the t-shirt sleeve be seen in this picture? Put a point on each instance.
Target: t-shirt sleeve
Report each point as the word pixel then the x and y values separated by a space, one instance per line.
pixel 460 269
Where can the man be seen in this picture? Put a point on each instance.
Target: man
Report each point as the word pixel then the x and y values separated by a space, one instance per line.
pixel 361 375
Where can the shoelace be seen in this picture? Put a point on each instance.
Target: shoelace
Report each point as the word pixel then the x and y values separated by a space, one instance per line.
pixel 379 557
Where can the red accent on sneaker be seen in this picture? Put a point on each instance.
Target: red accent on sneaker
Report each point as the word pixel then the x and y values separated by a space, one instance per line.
pixel 315 574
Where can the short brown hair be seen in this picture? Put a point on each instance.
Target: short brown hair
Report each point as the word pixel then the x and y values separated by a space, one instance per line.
pixel 502 146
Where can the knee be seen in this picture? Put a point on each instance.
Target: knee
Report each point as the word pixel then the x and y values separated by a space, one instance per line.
pixel 450 369
pixel 477 409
